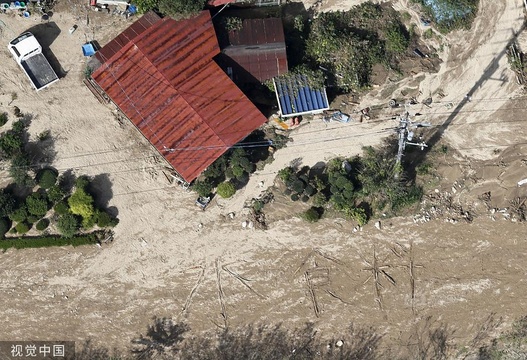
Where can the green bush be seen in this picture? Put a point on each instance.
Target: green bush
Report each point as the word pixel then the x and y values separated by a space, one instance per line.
pixel 42 224
pixel 226 189
pixel 304 198
pixel 55 193
pixel 68 225
pixel 33 219
pixel 258 205
pixel 285 173
pixel 298 186
pixel 82 182
pixel 5 225
pixel 311 215
pixel 202 187
pixel 62 208
pixel 295 197
pixel 18 169
pixel 46 178
pixel 310 190
pixel 47 241
pixel 22 227
pixel 37 204
pixel 19 214
pixel 319 199
pixel 7 203
pixel 357 214
pixel 81 203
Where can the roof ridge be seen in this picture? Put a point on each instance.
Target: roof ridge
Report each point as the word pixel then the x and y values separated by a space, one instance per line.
pixel 173 86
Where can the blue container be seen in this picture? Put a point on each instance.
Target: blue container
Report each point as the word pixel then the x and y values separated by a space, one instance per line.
pixel 88 50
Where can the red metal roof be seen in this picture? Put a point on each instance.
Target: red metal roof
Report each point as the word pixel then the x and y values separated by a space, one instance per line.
pixel 259 47
pixel 166 83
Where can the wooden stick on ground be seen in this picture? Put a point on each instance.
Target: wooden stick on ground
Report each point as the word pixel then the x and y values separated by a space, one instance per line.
pixel 196 285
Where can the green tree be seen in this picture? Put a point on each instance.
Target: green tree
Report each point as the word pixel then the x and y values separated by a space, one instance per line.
pixel 46 178
pixel 55 193
pixel 226 189
pixel 202 187
pixel 3 118
pixel 311 215
pixel 19 214
pixel 22 227
pixel 180 9
pixel 37 204
pixel 7 203
pixel 18 170
pixel 81 203
pixel 42 224
pixel 68 225
pixel 82 182
pixel 62 208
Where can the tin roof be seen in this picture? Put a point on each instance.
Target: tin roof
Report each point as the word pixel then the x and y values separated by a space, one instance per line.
pixel 296 97
pixel 165 81
pixel 259 48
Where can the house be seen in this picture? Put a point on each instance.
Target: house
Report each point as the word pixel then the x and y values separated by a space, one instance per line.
pixel 297 97
pixel 257 50
pixel 162 76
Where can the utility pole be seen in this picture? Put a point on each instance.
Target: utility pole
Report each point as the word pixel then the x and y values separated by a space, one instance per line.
pixel 405 135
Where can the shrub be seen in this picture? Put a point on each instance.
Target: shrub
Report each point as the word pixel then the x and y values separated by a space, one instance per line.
pixel 226 189
pixel 103 219
pixel 68 225
pixel 82 182
pixel 81 203
pixel 42 224
pixel 88 223
pixel 19 214
pixel 32 219
pixel 285 173
pixel 258 205
pixel 5 225
pixel 295 197
pixel 7 203
pixel 202 187
pixel 22 227
pixel 55 193
pixel 298 186
pixel 37 204
pixel 304 198
pixel 357 214
pixel 18 169
pixel 319 199
pixel 46 178
pixel 3 119
pixel 47 241
pixel 62 208
pixel 311 215
pixel 309 190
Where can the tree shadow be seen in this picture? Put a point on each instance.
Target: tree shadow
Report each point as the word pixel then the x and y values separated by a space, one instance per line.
pixel 42 150
pixel 67 181
pixel 419 157
pixel 101 188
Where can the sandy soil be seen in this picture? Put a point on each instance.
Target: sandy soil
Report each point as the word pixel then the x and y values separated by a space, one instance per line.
pixel 466 271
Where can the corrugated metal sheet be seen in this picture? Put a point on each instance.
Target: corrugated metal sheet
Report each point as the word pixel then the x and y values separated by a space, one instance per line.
pixel 295 97
pixel 259 48
pixel 258 32
pixel 126 36
pixel 166 83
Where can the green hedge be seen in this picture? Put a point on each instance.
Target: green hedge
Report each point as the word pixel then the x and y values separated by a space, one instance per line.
pixel 47 241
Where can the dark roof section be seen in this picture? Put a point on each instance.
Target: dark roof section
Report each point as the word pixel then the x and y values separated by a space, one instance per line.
pixel 165 81
pixel 295 97
pixel 259 48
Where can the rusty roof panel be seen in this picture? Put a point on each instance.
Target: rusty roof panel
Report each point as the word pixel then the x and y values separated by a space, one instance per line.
pixel 138 27
pixel 179 99
pixel 258 32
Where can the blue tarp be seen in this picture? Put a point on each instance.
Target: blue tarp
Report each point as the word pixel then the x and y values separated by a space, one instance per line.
pixel 295 96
